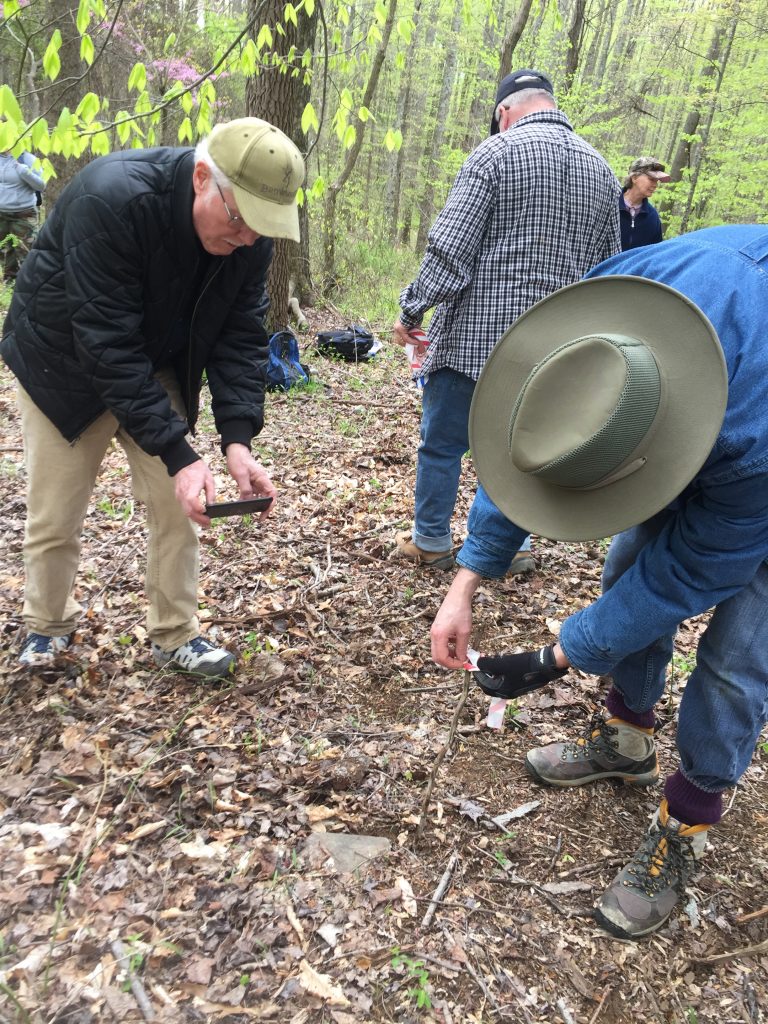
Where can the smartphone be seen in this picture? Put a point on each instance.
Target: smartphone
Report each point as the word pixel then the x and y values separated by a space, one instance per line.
pixel 237 508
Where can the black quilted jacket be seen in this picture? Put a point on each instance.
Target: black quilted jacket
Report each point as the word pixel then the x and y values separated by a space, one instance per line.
pixel 102 292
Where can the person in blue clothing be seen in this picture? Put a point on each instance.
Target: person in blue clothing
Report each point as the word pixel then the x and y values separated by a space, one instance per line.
pixel 640 221
pixel 20 184
pixel 671 455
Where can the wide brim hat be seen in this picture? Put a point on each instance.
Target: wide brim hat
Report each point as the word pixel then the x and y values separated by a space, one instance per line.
pixel 597 407
pixel 265 170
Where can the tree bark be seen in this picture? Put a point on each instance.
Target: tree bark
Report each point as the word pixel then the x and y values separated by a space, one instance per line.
pixel 427 204
pixel 512 38
pixel 280 98
pixel 334 189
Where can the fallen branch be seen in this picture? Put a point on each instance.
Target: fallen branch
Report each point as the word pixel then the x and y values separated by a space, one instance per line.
pixel 564 1012
pixel 761 947
pixel 139 994
pixel 440 890
pixel 752 916
pixel 441 756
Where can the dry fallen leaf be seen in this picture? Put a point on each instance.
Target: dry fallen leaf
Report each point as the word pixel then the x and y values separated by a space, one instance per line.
pixel 321 985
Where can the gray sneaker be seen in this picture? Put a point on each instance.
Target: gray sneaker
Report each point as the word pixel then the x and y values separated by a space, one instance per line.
pixel 40 651
pixel 198 658
pixel 610 749
pixel 645 892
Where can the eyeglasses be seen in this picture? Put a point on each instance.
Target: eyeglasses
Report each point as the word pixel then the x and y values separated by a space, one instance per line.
pixel 234 218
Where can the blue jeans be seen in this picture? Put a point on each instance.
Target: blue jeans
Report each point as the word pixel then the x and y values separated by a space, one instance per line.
pixel 725 701
pixel 492 539
pixel 447 397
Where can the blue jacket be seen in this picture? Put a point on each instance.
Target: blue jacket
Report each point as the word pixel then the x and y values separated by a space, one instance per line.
pixel 644 229
pixel 718 537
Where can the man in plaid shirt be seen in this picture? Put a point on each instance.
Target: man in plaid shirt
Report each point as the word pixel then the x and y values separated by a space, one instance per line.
pixel 533 209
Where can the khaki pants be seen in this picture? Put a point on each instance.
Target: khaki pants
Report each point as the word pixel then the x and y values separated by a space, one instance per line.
pixel 60 480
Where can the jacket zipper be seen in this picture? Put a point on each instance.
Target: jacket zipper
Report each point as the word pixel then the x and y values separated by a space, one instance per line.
pixel 206 285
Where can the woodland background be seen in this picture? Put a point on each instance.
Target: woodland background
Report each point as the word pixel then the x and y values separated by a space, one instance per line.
pixel 175 853
pixel 387 98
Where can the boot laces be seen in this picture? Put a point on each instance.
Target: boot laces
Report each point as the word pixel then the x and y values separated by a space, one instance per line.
pixel 597 736
pixel 665 859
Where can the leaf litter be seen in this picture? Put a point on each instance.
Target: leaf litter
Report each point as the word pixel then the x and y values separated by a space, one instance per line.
pixel 257 851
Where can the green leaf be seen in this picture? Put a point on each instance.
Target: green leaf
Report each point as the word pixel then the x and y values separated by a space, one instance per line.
pixel 309 7
pixel 249 58
pixel 83 16
pixel 9 105
pixel 300 196
pixel 264 38
pixel 87 49
pixel 349 137
pixel 169 42
pixel 99 142
pixel 389 140
pixel 364 114
pixel 405 27
pixel 123 127
pixel 88 107
pixel 185 131
pixel 289 15
pixel 187 103
pixel 138 78
pixel 309 119
pixel 51 62
pixel 40 138
pixel 10 7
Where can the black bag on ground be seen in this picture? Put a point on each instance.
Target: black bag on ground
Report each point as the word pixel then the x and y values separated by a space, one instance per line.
pixel 354 344
pixel 284 370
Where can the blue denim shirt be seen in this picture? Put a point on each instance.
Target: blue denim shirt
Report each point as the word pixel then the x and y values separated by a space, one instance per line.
pixel 718 535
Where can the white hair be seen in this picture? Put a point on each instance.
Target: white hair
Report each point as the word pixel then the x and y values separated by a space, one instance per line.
pixel 524 96
pixel 202 156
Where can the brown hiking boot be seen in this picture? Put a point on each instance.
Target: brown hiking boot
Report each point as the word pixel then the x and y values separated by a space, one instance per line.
pixel 522 562
pixel 428 559
pixel 644 894
pixel 610 749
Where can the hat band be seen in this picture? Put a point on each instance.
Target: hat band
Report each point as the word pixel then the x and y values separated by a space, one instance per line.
pixel 600 457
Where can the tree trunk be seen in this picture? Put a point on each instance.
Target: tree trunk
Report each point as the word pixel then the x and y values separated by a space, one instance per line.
pixel 403 123
pixel 512 38
pixel 332 193
pixel 427 204
pixel 280 99
pixel 701 148
pixel 575 36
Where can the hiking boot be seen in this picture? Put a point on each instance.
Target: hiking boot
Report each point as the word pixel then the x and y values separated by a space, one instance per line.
pixel 197 657
pixel 40 650
pixel 609 749
pixel 522 562
pixel 428 559
pixel 644 894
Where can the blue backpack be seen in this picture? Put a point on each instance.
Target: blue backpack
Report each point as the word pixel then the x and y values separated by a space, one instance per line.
pixel 284 370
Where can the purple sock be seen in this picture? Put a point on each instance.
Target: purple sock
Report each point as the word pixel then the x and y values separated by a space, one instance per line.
pixel 691 805
pixel 618 709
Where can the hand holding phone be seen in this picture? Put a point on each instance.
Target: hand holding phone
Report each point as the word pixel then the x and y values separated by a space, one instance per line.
pixel 220 509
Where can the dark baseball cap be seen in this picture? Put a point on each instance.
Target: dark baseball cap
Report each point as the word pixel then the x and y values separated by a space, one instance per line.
pixel 516 82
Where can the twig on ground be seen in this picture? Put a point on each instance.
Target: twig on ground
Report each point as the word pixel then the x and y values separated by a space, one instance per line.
pixel 440 890
pixel 761 947
pixel 139 994
pixel 564 1012
pixel 600 1005
pixel 441 756
pixel 752 916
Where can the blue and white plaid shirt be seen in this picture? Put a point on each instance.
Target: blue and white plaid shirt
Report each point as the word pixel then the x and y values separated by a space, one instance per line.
pixel 532 210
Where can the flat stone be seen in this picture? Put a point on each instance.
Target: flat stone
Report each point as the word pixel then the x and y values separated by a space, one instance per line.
pixel 348 852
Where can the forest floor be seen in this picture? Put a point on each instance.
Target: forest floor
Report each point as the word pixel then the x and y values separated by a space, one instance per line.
pixel 178 852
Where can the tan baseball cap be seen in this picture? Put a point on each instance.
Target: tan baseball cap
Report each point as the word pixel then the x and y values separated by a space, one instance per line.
pixel 266 170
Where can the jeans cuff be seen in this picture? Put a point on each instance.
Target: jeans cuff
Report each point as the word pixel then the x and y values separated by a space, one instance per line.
pixel 485 562
pixel 444 543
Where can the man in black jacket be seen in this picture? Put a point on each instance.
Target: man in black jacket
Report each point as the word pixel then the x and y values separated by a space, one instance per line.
pixel 149 272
